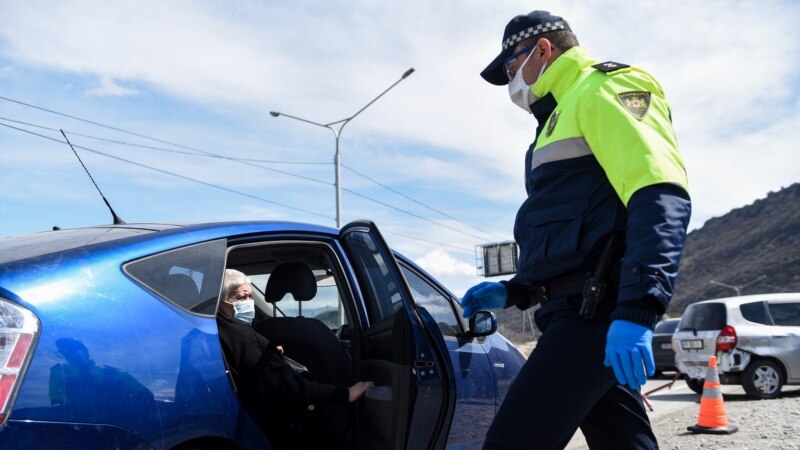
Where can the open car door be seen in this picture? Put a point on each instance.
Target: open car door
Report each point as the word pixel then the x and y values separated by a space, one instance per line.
pixel 402 351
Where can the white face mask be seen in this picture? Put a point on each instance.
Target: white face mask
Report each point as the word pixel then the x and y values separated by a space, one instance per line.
pixel 519 91
pixel 244 311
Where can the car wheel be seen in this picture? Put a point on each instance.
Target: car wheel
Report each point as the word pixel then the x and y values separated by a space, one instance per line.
pixel 695 384
pixel 762 379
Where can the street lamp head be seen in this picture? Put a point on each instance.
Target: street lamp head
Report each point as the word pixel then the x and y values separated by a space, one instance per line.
pixel 408 72
pixel 274 113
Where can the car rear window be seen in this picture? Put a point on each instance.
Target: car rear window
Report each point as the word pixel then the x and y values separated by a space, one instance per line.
pixel 755 312
pixel 785 314
pixel 666 326
pixel 704 317
pixel 189 277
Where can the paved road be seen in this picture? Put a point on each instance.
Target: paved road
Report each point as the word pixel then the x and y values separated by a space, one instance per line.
pixel 677 407
pixel 664 401
pixel 682 401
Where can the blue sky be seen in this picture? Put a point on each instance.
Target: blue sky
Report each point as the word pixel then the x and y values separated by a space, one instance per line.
pixel 204 75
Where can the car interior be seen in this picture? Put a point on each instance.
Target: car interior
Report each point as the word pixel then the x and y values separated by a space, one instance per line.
pixel 303 305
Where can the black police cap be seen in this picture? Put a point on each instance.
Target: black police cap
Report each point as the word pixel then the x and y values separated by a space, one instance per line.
pixel 518 29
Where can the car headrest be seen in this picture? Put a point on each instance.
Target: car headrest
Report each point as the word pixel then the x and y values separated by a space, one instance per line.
pixel 181 287
pixel 295 278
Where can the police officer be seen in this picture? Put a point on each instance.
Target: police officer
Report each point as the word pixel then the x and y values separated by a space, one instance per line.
pixel 600 234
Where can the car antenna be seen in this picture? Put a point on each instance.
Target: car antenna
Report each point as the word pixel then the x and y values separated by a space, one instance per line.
pixel 117 220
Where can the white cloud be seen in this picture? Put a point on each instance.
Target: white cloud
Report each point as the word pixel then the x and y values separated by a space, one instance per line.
pixel 441 264
pixel 108 87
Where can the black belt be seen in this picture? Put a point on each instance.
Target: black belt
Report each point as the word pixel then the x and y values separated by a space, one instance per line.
pixel 559 287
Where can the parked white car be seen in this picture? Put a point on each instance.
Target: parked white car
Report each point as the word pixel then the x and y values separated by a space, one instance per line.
pixel 756 339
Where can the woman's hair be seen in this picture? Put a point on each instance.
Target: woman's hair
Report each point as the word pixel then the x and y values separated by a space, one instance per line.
pixel 233 279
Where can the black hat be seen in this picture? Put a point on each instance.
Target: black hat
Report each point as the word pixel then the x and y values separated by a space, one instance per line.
pixel 520 28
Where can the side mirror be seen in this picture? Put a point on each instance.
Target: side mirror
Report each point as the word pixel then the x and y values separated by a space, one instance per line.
pixel 483 323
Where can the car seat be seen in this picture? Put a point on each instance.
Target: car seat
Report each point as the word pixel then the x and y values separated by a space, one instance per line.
pixel 305 339
pixel 311 342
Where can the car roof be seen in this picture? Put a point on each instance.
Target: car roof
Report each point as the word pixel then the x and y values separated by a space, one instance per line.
pixel 16 248
pixel 736 301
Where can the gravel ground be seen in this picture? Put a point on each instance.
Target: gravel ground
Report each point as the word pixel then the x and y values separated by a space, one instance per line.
pixel 763 424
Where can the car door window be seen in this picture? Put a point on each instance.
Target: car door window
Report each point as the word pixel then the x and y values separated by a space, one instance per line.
pixel 785 314
pixel 377 282
pixel 434 301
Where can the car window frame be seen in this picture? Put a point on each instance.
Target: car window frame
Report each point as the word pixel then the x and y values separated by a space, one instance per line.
pixel 128 270
pixel 344 286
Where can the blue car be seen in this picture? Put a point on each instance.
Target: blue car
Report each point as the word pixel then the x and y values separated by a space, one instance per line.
pixel 108 337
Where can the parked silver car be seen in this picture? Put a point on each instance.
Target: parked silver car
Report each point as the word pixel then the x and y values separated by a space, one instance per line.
pixel 756 340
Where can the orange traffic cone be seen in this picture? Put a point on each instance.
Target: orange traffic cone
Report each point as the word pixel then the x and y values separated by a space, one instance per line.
pixel 712 418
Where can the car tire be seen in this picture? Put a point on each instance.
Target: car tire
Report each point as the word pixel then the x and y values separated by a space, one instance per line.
pixel 762 379
pixel 695 384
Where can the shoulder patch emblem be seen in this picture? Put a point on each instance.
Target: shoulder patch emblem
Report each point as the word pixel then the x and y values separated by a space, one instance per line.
pixel 610 66
pixel 635 102
pixel 552 124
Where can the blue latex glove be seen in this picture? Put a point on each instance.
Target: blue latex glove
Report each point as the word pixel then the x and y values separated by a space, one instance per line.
pixel 486 295
pixel 629 351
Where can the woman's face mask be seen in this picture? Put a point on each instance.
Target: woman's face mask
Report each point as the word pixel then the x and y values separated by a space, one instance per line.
pixel 244 311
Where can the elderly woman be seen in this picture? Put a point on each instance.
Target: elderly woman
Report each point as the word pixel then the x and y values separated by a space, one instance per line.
pixel 280 400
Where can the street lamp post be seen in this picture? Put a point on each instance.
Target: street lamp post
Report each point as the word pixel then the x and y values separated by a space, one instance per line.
pixel 336 134
pixel 738 289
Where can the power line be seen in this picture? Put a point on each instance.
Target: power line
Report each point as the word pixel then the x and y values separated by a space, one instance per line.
pixel 410 213
pixel 99 124
pixel 464 249
pixel 202 154
pixel 198 152
pixel 167 172
pixel 169 150
pixel 245 194
pixel 420 203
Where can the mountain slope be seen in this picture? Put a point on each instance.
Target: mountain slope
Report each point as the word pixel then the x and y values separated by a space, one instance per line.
pixel 755 248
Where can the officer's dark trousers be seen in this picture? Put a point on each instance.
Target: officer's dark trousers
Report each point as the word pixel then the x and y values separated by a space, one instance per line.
pixel 564 385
